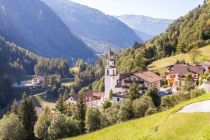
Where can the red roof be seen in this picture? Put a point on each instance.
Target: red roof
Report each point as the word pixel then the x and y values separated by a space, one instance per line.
pixel 148 76
pixel 183 69
pixel 89 96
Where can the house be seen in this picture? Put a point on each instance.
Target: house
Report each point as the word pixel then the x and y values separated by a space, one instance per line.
pixel 144 80
pixel 120 84
pixel 91 98
pixel 37 80
pixel 206 65
pixel 176 74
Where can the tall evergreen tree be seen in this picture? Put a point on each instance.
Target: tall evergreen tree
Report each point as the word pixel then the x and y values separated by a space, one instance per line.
pixel 14 107
pixel 28 117
pixel 81 110
pixel 60 105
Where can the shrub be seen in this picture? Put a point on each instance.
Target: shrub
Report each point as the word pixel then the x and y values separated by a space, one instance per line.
pixel 112 114
pixel 151 111
pixel 140 106
pixel 106 104
pixel 171 100
pixel 197 92
pixel 125 112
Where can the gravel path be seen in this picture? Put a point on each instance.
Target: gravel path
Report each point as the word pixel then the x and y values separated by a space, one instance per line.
pixel 203 106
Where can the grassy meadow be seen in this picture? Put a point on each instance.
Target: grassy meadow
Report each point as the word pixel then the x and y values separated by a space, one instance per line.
pixel 161 64
pixel 167 125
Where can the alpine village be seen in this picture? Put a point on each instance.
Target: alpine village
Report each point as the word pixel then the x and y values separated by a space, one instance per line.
pixel 69 71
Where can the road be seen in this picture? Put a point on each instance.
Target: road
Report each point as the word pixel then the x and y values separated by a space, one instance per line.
pixel 203 106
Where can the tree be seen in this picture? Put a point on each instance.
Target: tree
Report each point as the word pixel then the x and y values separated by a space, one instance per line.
pixel 189 83
pixel 140 106
pixel 42 125
pixel 106 104
pixel 134 92
pixel 126 111
pixel 93 119
pixel 61 105
pixel 14 107
pixel 154 96
pixel 57 129
pixel 11 128
pixel 28 117
pixel 112 114
pixel 81 110
pixel 195 53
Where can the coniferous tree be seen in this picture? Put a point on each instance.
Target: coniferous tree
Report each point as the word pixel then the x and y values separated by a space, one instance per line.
pixel 28 117
pixel 14 107
pixel 11 128
pixel 81 110
pixel 42 125
pixel 60 105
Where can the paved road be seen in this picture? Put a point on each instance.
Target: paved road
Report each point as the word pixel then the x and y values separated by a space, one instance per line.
pixel 203 106
pixel 39 94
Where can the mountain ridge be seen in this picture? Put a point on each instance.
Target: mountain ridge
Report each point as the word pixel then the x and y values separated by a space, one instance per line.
pixel 145 26
pixel 35 27
pixel 98 30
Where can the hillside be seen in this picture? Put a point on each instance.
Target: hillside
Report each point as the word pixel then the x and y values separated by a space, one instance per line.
pixel 145 27
pixel 15 60
pixel 162 126
pixel 97 30
pixel 161 64
pixel 185 33
pixel 35 27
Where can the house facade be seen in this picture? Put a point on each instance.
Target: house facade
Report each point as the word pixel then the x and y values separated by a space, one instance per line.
pixel 91 98
pixel 120 84
pixel 176 74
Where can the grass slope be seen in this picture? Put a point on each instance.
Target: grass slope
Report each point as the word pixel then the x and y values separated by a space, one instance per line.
pixel 161 64
pixel 162 126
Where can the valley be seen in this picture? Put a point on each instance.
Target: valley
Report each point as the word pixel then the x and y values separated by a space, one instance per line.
pixel 73 71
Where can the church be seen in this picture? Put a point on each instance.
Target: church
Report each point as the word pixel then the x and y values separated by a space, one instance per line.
pixel 119 84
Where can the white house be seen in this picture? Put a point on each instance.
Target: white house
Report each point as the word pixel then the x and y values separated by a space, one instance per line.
pixel 120 84
pixel 92 99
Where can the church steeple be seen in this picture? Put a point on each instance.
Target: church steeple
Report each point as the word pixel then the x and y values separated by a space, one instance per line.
pixel 110 54
pixel 110 75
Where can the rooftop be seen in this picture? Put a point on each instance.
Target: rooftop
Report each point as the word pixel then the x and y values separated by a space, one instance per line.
pixel 183 69
pixel 148 76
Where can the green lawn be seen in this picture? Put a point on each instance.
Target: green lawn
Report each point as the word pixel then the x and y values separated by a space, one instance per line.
pixel 161 64
pixel 168 125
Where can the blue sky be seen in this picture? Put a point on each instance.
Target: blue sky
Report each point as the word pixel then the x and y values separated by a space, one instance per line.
pixel 171 9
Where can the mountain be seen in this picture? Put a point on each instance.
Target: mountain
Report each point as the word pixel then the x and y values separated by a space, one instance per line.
pixel 145 27
pixel 34 26
pixel 97 30
pixel 184 34
pixel 15 60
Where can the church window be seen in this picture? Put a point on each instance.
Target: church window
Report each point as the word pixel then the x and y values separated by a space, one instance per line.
pixel 107 72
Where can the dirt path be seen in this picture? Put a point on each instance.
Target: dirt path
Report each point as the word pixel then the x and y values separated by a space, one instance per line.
pixel 203 106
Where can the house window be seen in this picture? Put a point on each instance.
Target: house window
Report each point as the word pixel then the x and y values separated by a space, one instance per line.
pixel 118 99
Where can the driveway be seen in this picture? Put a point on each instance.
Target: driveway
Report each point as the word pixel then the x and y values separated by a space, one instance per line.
pixel 203 106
